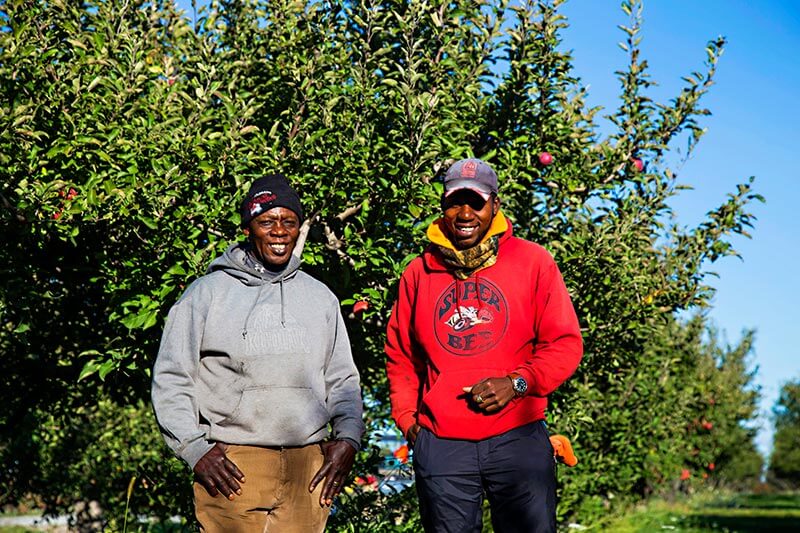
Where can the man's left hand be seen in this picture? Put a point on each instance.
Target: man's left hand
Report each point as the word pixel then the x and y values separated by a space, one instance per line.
pixel 491 394
pixel 339 458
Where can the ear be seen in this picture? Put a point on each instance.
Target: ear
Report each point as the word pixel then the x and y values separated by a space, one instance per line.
pixel 495 205
pixel 246 232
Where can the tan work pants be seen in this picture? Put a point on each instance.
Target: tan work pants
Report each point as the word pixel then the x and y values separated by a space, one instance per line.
pixel 275 497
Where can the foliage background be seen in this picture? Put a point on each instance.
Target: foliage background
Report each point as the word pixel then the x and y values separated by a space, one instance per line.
pixel 750 132
pixel 128 135
pixel 784 467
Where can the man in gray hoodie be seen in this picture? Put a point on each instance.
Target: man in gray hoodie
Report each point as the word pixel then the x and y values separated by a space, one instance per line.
pixel 254 385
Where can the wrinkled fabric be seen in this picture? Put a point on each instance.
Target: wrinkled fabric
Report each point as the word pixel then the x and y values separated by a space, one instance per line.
pixel 446 333
pixel 254 357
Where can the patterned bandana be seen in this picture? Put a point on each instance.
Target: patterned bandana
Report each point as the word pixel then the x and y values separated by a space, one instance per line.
pixel 465 262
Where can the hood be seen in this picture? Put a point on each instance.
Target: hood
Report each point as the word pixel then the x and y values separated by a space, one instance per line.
pixel 237 262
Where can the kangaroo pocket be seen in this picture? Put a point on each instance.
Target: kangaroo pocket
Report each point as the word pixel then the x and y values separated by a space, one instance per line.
pixel 274 415
pixel 447 405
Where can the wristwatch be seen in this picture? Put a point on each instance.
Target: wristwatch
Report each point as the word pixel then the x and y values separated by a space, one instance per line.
pixel 519 384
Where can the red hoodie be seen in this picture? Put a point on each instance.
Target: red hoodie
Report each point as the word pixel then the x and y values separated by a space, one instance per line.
pixel 446 333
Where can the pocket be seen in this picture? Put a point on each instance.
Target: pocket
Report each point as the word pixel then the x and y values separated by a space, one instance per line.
pixel 446 402
pixel 276 414
pixel 421 436
pixel 537 436
pixel 421 451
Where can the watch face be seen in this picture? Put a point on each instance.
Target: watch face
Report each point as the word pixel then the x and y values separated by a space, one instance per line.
pixel 520 385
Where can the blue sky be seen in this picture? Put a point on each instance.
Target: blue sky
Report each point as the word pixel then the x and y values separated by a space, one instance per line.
pixel 754 131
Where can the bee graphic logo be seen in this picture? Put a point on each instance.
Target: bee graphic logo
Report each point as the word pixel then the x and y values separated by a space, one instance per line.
pixel 471 317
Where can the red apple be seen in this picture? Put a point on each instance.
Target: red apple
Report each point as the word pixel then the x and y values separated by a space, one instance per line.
pixel 638 163
pixel 685 474
pixel 545 158
pixel 711 466
pixel 707 425
pixel 360 306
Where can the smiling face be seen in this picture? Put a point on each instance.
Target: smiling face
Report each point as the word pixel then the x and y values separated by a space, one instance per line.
pixel 274 235
pixel 467 217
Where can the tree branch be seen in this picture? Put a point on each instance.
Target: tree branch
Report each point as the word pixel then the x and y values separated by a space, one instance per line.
pixel 8 205
pixel 301 239
pixel 350 211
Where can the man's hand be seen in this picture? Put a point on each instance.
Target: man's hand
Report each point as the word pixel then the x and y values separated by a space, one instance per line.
pixel 218 474
pixel 491 394
pixel 411 434
pixel 339 458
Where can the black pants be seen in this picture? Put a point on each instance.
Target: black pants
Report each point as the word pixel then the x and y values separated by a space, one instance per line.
pixel 515 470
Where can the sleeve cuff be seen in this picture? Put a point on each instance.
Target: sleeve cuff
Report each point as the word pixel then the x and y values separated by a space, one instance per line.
pixel 195 451
pixel 405 423
pixel 352 443
pixel 349 430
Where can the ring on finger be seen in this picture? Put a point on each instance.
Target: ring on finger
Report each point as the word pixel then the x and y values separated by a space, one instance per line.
pixel 479 399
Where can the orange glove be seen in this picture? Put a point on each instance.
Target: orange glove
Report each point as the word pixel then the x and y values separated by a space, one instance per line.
pixel 562 450
pixel 401 453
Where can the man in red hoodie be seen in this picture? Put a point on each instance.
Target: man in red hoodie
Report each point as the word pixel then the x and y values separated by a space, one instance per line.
pixel 482 331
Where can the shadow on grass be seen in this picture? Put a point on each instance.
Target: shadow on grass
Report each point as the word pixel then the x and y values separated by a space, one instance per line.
pixel 767 501
pixel 744 524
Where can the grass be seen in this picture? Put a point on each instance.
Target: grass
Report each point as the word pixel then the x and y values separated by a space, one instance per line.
pixel 131 528
pixel 744 513
pixel 736 513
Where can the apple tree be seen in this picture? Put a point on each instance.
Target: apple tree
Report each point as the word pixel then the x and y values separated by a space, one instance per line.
pixel 129 132
pixel 784 462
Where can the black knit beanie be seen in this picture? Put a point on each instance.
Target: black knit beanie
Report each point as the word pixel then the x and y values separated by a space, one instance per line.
pixel 268 192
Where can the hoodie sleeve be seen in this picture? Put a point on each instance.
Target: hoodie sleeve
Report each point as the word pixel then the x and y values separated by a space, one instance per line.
pixel 343 392
pixel 558 346
pixel 174 374
pixel 405 368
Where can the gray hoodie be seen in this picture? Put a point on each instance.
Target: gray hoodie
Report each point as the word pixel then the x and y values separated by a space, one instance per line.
pixel 250 356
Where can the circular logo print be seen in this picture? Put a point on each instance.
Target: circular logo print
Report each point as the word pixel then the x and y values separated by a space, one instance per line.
pixel 471 317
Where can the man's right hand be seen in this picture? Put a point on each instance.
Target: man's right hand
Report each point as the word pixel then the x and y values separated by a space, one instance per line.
pixel 411 434
pixel 218 474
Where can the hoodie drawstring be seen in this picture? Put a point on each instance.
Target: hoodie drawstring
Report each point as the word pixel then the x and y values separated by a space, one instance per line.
pixel 478 291
pixel 250 312
pixel 255 303
pixel 283 314
pixel 459 284
pixel 458 299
